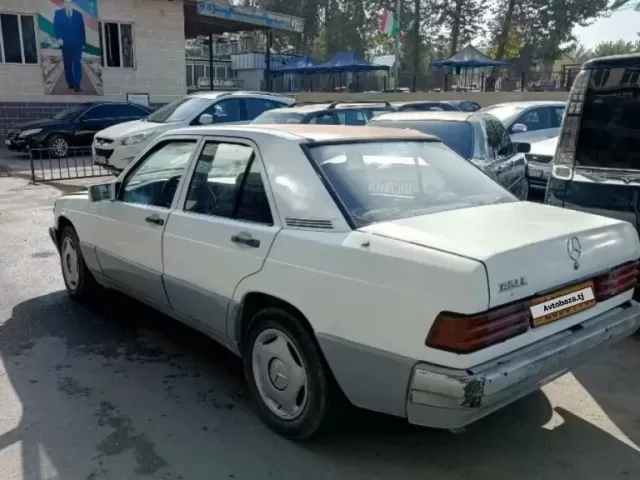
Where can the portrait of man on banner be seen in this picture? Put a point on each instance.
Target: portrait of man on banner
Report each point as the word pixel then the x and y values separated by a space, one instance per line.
pixel 71 54
pixel 68 25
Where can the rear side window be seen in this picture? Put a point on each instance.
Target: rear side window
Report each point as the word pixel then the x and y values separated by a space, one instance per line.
pixel 458 136
pixel 609 135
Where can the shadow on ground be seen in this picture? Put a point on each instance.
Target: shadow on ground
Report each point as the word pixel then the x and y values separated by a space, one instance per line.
pixel 119 391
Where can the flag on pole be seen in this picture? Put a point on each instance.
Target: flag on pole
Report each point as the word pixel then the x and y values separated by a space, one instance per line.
pixel 388 23
pixel 405 31
pixel 618 4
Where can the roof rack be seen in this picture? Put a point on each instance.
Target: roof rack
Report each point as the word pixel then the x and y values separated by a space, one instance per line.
pixel 363 102
pixel 300 104
pixel 333 105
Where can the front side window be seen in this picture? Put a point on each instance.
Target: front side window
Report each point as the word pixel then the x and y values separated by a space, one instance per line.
pixel 505 145
pixel 17 39
pixel 155 181
pixel 381 181
pixel 536 119
pixel 225 111
pixel 227 182
pixel 256 106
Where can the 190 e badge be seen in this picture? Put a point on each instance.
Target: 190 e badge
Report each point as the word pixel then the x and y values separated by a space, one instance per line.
pixel 511 284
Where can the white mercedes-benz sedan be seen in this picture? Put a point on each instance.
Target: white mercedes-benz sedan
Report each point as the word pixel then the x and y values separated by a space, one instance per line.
pixel 361 265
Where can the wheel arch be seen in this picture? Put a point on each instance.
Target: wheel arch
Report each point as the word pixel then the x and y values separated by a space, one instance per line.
pixel 254 301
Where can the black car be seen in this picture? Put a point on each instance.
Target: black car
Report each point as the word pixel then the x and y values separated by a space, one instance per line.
pixel 72 127
pixel 325 113
pixel 477 137
pixel 425 106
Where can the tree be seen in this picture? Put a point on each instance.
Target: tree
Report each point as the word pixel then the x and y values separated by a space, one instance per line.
pixel 620 47
pixel 462 18
pixel 579 53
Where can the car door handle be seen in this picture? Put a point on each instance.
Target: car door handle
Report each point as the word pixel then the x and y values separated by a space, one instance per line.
pixel 246 239
pixel 155 219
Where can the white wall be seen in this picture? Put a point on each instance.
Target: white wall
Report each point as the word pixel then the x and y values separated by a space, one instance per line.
pixel 159 55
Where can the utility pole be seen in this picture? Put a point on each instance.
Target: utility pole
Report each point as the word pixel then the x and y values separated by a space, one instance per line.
pixel 397 63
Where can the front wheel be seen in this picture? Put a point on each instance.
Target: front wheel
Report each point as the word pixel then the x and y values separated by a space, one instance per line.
pixel 294 390
pixel 525 189
pixel 78 280
pixel 58 146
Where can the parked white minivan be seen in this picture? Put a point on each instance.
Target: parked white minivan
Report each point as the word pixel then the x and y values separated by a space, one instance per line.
pixel 113 148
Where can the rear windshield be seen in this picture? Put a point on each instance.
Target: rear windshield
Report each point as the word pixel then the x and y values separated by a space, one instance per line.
pixel 609 134
pixel 458 136
pixel 278 117
pixel 381 181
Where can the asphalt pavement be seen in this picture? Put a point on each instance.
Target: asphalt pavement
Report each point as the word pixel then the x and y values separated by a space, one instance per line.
pixel 118 391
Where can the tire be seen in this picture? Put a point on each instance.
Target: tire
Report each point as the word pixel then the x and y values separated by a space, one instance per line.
pixel 278 351
pixel 58 146
pixel 78 280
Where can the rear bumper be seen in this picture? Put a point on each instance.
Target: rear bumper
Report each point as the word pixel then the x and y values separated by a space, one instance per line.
pixel 445 398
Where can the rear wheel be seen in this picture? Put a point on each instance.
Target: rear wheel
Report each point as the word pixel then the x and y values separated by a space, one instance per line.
pixel 295 393
pixel 78 280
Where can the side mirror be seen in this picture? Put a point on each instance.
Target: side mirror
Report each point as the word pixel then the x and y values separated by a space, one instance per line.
pixel 103 191
pixel 519 128
pixel 523 147
pixel 205 119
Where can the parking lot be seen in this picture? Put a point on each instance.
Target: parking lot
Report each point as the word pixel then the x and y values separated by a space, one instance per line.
pixel 121 392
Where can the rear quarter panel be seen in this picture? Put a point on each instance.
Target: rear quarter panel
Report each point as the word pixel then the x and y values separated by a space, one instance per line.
pixel 385 295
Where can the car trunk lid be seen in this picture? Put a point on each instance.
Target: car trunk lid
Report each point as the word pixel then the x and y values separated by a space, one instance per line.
pixel 527 249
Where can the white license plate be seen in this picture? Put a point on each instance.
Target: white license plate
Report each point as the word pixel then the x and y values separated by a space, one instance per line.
pixel 7 142
pixel 100 159
pixel 554 307
pixel 536 173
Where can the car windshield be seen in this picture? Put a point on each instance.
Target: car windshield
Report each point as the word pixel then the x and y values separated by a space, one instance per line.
pixel 277 117
pixel 387 180
pixel 180 110
pixel 70 113
pixel 458 136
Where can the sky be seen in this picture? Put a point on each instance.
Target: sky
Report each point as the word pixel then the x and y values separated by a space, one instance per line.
pixel 623 25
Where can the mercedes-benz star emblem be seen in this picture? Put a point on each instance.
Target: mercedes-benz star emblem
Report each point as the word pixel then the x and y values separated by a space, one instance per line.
pixel 574 249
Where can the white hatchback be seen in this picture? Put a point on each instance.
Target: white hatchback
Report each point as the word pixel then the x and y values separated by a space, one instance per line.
pixel 354 264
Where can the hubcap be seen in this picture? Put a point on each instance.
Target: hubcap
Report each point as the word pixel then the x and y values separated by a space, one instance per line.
pixel 280 374
pixel 69 259
pixel 60 147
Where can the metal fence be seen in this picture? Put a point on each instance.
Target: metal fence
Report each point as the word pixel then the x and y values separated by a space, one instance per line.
pixel 46 166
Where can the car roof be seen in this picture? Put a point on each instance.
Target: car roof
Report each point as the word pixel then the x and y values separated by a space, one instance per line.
pixel 212 95
pixel 318 107
pixel 450 116
pixel 613 61
pixel 418 102
pixel 507 110
pixel 311 132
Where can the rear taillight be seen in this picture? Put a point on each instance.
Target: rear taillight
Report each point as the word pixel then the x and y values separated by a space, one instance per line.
pixel 468 333
pixel 565 152
pixel 619 280
pixel 459 333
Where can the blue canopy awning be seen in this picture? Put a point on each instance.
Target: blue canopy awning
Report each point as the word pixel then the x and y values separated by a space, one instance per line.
pixel 470 57
pixel 296 65
pixel 344 62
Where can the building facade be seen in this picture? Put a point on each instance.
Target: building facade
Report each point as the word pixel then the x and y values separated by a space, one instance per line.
pixel 132 47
